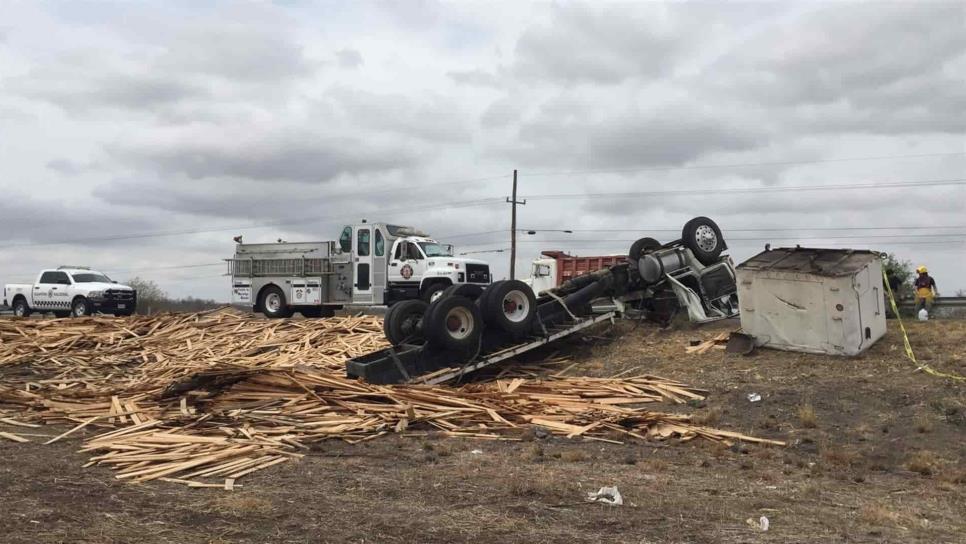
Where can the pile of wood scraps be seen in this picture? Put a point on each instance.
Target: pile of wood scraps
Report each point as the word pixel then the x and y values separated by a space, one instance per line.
pixel 205 399
pixel 720 341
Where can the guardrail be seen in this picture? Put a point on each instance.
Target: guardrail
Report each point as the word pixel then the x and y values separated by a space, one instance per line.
pixel 941 306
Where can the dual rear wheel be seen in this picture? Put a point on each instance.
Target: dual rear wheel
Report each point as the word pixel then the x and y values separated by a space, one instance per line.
pixel 456 319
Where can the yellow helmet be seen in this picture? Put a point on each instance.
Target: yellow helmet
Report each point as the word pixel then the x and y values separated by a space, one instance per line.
pixel 922 270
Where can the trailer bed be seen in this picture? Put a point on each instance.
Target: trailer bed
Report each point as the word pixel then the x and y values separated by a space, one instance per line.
pixel 403 364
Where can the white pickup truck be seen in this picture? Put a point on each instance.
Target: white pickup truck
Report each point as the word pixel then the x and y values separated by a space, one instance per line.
pixel 70 291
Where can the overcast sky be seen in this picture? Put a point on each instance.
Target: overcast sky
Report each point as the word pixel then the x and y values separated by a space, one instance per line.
pixel 204 120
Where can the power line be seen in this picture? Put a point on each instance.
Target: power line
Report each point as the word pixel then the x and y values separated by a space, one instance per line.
pixel 859 237
pixel 738 165
pixel 692 192
pixel 678 229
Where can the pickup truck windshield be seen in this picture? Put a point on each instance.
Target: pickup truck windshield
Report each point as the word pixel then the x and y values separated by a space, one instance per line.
pixel 89 277
pixel 432 249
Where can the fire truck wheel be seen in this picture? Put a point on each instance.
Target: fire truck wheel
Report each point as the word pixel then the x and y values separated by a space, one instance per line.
pixel 509 305
pixel 703 237
pixel 402 322
pixel 273 303
pixel 453 323
pixel 467 290
pixel 432 292
pixel 638 249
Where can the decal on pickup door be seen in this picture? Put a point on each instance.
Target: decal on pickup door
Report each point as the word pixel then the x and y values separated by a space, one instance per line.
pixel 406 271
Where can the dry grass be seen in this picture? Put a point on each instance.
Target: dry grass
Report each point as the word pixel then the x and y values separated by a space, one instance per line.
pixel 711 416
pixel 542 487
pixel 240 505
pixel 533 453
pixel 573 456
pixel 876 514
pixel 840 456
pixel 924 462
pixel 807 416
pixel 924 424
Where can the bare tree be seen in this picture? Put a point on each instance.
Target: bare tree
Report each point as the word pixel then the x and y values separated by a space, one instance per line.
pixel 150 295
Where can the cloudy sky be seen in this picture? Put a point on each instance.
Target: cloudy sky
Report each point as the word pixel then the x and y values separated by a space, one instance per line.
pixel 140 137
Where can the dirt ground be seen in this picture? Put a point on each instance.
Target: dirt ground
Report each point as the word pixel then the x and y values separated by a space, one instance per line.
pixel 876 454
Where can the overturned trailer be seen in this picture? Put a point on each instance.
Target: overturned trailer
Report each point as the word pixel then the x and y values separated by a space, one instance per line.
pixel 470 327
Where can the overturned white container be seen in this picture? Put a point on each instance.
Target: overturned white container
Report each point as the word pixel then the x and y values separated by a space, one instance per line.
pixel 813 300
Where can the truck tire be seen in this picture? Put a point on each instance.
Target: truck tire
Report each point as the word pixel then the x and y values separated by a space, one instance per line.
pixel 273 303
pixel 61 314
pixel 453 323
pixel 638 248
pixel 317 311
pixel 703 237
pixel 433 291
pixel 20 308
pixel 80 307
pixel 509 305
pixel 402 322
pixel 467 290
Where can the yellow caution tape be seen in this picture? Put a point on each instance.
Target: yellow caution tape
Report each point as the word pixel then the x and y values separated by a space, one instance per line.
pixel 905 337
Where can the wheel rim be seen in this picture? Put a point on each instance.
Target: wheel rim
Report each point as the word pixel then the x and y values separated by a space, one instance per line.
pixel 459 323
pixel 705 238
pixel 516 306
pixel 80 309
pixel 273 302
pixel 19 311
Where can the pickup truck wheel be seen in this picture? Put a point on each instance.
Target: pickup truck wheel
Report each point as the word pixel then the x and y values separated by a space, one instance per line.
pixel 433 291
pixel 638 249
pixel 703 237
pixel 453 323
pixel 274 305
pixel 509 305
pixel 403 322
pixel 81 307
pixel 61 314
pixel 20 308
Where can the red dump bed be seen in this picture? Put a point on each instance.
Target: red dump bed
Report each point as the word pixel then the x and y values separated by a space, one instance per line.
pixel 571 266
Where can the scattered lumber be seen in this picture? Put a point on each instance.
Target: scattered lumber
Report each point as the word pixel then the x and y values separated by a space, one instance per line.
pixel 720 341
pixel 205 399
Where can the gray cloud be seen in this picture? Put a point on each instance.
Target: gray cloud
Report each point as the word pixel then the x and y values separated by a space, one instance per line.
pixel 572 133
pixel 603 44
pixel 181 116
pixel 81 87
pixel 477 78
pixel 430 116
pixel 239 52
pixel 349 58
pixel 26 220
pixel 70 167
pixel 305 157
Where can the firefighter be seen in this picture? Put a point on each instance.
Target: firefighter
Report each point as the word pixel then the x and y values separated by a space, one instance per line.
pixel 925 288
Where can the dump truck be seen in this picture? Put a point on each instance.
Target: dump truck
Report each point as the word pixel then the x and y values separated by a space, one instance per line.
pixel 554 267
pixel 371 264
pixel 469 327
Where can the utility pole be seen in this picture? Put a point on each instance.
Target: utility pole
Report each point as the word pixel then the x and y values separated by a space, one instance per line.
pixel 513 227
